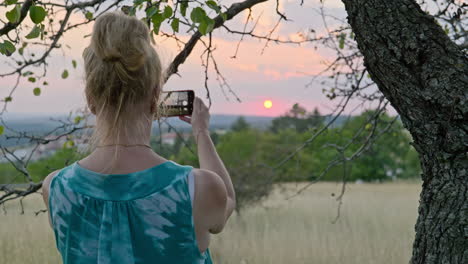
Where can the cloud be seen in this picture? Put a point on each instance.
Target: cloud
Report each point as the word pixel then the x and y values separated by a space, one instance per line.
pixel 283 61
pixel 284 75
pixel 246 67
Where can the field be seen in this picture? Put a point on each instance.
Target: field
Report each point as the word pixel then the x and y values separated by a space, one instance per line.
pixel 376 225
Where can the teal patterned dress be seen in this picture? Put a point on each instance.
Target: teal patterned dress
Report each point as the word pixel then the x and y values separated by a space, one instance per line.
pixel 143 217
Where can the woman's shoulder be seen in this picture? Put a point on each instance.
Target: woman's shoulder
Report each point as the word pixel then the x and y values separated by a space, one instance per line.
pixel 46 184
pixel 210 196
pixel 46 189
pixel 209 180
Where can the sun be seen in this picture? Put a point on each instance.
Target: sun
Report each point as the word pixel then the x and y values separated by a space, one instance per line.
pixel 267 104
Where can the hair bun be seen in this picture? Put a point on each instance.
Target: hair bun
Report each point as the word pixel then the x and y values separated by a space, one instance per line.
pixel 120 38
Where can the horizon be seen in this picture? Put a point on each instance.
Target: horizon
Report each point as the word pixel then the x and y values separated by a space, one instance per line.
pixel 47 114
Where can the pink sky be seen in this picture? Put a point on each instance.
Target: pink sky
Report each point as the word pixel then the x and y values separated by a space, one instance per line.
pixel 280 74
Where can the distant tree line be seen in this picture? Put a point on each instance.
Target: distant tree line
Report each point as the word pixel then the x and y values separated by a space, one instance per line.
pixel 250 153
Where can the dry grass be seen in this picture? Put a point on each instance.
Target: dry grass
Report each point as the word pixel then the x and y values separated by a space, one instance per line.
pixel 376 226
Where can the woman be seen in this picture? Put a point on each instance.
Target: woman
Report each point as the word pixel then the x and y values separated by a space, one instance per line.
pixel 124 203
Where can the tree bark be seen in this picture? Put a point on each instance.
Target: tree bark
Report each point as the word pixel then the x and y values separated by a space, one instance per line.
pixel 424 75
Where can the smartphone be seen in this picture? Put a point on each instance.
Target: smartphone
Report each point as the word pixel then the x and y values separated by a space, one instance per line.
pixel 176 103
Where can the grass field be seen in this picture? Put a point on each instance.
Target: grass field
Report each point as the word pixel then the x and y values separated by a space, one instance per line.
pixel 376 225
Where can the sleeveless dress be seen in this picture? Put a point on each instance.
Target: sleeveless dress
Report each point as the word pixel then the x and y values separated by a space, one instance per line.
pixel 143 217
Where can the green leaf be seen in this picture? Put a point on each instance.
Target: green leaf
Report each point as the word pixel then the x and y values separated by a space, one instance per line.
pixel 167 12
pixel 37 14
pixel 64 74
pixel 2 48
pixel 14 15
pixel 78 119
pixel 198 15
pixel 213 5
pixel 151 11
pixel 203 28
pixel 37 91
pixel 89 15
pixel 206 26
pixel 175 24
pixel 183 8
pixel 1 130
pixel 32 79
pixel 11 2
pixel 156 29
pixel 27 73
pixel 9 47
pixel 8 99
pixel 34 32
pixel 210 25
pixel 45 83
pixel 157 19
pixel 74 63
pixel 224 16
pixel 132 11
pixel 20 50
pixel 342 40
pixel 126 9
pixel 68 144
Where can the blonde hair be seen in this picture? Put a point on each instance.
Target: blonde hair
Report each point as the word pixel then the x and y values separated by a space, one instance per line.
pixel 121 68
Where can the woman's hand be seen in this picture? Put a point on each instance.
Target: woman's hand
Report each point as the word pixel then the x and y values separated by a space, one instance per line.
pixel 200 117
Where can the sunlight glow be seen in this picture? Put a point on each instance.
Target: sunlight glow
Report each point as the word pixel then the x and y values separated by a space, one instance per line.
pixel 267 104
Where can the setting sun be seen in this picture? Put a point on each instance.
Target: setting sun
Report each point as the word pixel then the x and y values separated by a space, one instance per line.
pixel 267 104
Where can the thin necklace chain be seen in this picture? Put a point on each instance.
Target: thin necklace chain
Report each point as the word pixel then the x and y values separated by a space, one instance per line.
pixel 125 145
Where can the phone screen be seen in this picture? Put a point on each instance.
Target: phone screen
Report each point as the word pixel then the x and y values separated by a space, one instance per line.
pixel 177 103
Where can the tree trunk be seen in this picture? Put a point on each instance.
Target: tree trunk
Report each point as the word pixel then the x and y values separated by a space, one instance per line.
pixel 424 75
